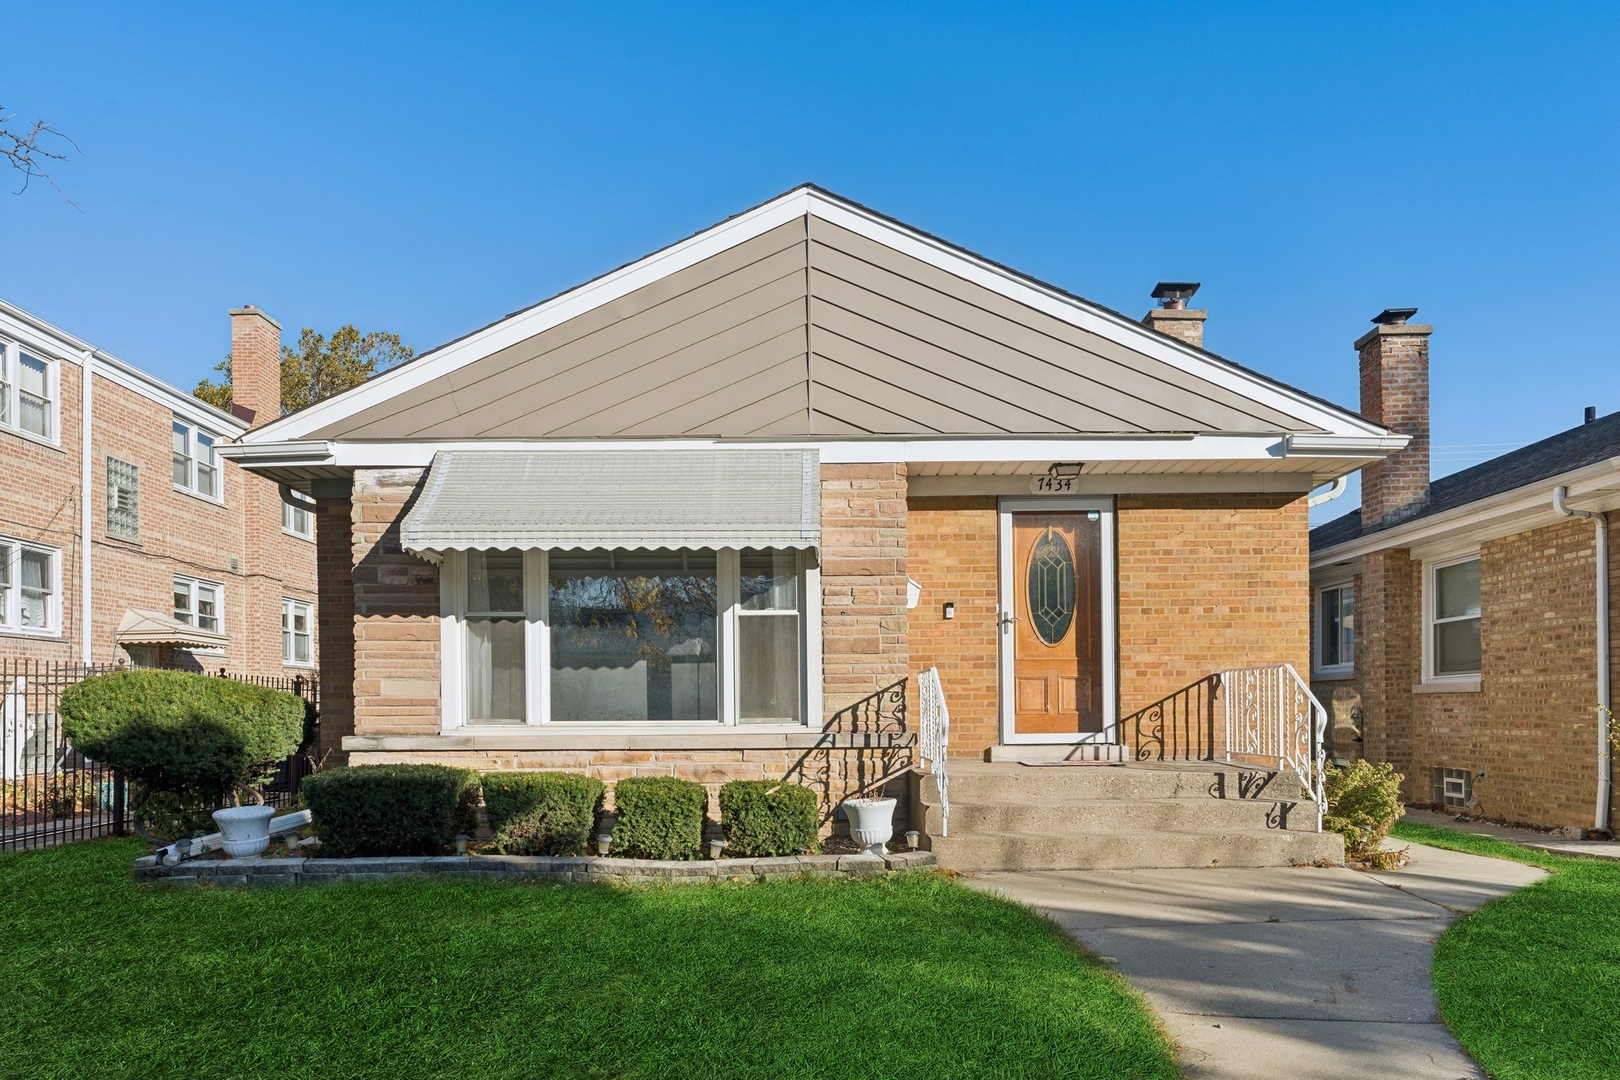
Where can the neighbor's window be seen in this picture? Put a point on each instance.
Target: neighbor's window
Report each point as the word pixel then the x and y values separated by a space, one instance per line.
pixel 1336 626
pixel 633 635
pixel 27 392
pixel 123 499
pixel 297 617
pixel 496 631
pixel 297 517
pixel 768 637
pixel 1454 622
pixel 198 603
pixel 29 601
pixel 195 468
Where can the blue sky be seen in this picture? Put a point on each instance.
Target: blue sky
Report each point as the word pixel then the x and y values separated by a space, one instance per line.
pixel 427 169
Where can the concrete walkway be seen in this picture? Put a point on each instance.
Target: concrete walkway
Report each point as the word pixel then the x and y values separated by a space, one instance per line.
pixel 1591 849
pixel 1308 973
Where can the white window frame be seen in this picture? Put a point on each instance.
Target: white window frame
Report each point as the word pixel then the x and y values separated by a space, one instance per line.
pixel 1431 567
pixel 11 392
pixel 453 682
pixel 12 549
pixel 192 584
pixel 289 608
pixel 191 432
pixel 289 516
pixel 1345 668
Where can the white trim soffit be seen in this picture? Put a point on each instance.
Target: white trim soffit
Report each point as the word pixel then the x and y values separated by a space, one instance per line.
pixel 798 203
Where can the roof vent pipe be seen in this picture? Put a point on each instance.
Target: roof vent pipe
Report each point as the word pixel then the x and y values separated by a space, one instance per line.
pixel 1601 520
pixel 1591 414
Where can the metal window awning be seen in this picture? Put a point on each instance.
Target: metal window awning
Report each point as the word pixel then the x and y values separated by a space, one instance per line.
pixel 153 628
pixel 710 498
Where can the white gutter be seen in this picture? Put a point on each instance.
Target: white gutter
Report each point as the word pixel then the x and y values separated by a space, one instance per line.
pixel 1331 493
pixel 86 423
pixel 1601 520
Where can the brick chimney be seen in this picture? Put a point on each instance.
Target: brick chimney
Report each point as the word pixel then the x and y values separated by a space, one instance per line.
pixel 1173 317
pixel 1395 393
pixel 255 366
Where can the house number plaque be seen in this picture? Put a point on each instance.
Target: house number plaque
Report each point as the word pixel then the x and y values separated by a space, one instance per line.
pixel 1053 485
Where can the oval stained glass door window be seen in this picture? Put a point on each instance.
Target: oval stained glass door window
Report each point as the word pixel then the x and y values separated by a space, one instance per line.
pixel 1051 587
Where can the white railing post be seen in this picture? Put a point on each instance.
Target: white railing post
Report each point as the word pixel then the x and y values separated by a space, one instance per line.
pixel 935 739
pixel 1294 735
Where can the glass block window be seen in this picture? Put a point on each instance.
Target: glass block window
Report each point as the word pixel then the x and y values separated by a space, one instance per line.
pixel 123 499
pixel 1453 788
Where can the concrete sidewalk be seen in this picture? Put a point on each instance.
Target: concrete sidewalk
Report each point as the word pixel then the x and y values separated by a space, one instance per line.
pixel 1530 838
pixel 1308 973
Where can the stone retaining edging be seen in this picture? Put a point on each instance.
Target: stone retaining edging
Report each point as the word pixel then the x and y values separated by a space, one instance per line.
pixel 307 871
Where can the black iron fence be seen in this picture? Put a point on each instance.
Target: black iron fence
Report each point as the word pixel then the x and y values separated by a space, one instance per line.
pixel 50 793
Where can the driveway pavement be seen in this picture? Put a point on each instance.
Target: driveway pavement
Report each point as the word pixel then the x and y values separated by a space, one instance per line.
pixel 1308 973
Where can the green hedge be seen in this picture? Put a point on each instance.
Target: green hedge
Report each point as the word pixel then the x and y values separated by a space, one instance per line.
pixel 659 817
pixel 542 813
pixel 392 809
pixel 179 732
pixel 768 817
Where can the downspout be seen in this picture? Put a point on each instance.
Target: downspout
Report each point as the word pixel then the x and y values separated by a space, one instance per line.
pixel 1331 493
pixel 86 610
pixel 1601 520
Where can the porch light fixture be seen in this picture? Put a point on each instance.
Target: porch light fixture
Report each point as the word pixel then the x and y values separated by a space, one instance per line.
pixel 1065 468
pixel 950 610
pixel 603 844
pixel 715 848
pixel 912 838
pixel 461 843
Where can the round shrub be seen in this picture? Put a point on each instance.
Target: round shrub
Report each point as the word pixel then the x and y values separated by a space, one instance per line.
pixel 659 817
pixel 195 736
pixel 1364 800
pixel 769 817
pixel 392 809
pixel 542 813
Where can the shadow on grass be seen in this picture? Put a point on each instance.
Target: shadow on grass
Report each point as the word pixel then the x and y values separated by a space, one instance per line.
pixel 894 977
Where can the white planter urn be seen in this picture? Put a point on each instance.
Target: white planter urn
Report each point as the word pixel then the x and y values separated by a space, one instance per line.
pixel 244 831
pixel 871 822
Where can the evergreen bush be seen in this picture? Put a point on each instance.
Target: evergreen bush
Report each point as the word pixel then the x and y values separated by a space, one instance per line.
pixel 768 817
pixel 659 817
pixel 542 813
pixel 392 809
pixel 1364 801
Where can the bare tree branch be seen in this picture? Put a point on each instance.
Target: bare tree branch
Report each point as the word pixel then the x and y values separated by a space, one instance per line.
pixel 27 151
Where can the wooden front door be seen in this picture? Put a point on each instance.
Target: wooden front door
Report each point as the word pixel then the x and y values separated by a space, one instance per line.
pixel 1057 629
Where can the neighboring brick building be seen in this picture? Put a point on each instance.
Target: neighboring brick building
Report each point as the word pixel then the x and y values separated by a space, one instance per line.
pixel 192 561
pixel 704 515
pixel 1457 635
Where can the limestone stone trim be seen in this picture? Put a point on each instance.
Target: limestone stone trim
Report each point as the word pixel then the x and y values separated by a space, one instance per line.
pixel 583 741
pixel 263 873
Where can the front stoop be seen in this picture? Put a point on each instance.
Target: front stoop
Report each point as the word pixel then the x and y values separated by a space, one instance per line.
pixel 1012 816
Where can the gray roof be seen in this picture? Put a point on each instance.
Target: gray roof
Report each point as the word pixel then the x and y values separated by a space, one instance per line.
pixel 1576 448
pixel 558 499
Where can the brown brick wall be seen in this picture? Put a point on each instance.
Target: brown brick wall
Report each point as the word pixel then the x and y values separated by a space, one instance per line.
pixel 863 581
pixel 952 549
pixel 1531 728
pixel 334 537
pixel 179 533
pixel 396 612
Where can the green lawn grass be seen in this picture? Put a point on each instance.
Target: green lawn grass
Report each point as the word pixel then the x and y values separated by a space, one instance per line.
pixel 903 977
pixel 1530 984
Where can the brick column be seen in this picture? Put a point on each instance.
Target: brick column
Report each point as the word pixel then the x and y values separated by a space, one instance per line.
pixel 863 581
pixel 1394 360
pixel 1387 652
pixel 334 618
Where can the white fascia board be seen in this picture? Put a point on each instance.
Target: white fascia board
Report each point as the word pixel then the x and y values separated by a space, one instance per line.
pixel 761 219
pixel 35 333
pixel 1595 486
pixel 404 454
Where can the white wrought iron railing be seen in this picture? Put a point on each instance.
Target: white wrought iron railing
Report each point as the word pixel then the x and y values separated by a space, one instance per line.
pixel 934 721
pixel 1272 717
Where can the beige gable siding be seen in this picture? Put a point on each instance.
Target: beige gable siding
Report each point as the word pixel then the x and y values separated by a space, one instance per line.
pixel 810 329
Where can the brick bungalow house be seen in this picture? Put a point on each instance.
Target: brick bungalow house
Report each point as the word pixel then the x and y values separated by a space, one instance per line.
pixel 125 538
pixel 712 513
pixel 1462 627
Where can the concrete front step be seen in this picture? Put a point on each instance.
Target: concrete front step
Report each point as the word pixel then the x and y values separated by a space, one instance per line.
pixel 987 851
pixel 1121 815
pixel 977 781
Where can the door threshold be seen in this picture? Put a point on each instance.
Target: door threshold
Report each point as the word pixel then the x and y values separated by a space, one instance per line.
pixel 1057 753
